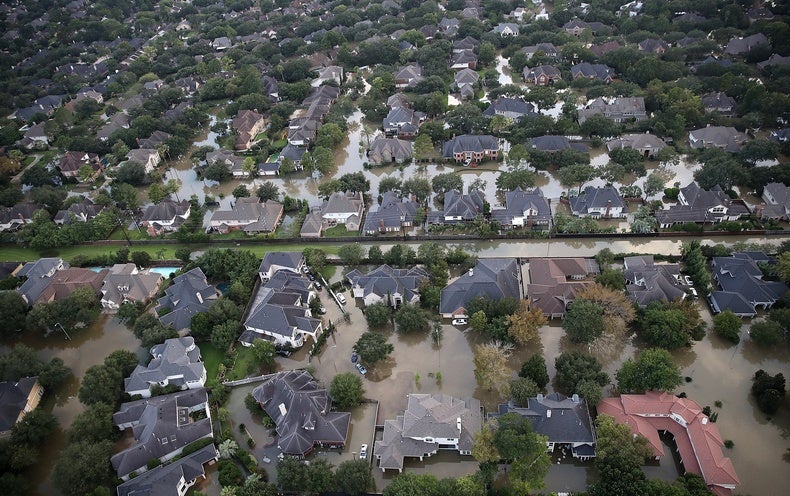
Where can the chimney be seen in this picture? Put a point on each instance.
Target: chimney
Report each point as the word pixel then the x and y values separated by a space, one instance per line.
pixel 575 398
pixel 471 272
pixel 704 420
pixel 199 297
pixel 548 413
pixel 608 208
pixel 540 397
pixel 458 423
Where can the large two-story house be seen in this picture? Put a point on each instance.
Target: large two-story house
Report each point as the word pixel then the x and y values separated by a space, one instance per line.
pixel 524 209
pixel 470 148
pixel 166 216
pixel 700 206
pixel 387 285
pixel 599 203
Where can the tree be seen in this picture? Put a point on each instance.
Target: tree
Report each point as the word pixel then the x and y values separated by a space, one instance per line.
pixel 83 466
pixel 373 347
pixel 374 255
pixel 264 352
pixel 268 191
pixel 423 147
pixel 229 474
pixel 518 443
pixel 584 321
pixel 389 183
pixel 580 173
pixel 766 332
pixel 13 311
pixel 575 367
pixel 34 428
pixel 612 279
pixel 223 334
pixel 411 318
pixel 320 478
pixel 346 390
pixel 619 457
pixel 522 389
pixel 535 368
pixel 409 484
pixel 132 173
pixel 466 118
pixel 141 258
pixel 353 477
pixel 356 182
pixel 523 325
pixel 125 195
pixel 351 253
pixel 727 325
pixel 653 184
pixel 417 186
pixel 241 191
pixel 768 390
pixel 448 181
pixel 94 425
pixel 670 325
pixel 491 369
pixel 101 384
pixel 720 168
pixel 516 177
pixel 184 254
pixel 652 370
pixel 329 135
pixel 618 310
pixel 291 474
pixel 478 321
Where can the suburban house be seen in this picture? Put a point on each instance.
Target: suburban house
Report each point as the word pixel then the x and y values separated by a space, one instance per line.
pixel 17 399
pixel 592 71
pixel 344 208
pixel 449 25
pixel 647 282
pixel 387 150
pixel 387 285
pixel 156 139
pixel 234 163
pixel 647 144
pixel 576 27
pixel 495 278
pixel 313 225
pixel 397 100
pixel 173 479
pixel 697 439
pixel 78 212
pixel 402 122
pixel 464 82
pixel 431 422
pixel 35 138
pixel 162 427
pixel 408 77
pixel 776 198
pixel 115 123
pixel 554 282
pixel 280 260
pixel 126 283
pixel 14 218
pixel 547 49
pixel 188 295
pixel 743 289
pixel 329 73
pixel 542 75
pixel 247 124
pixel 553 144
pixel 293 153
pixel 176 362
pixel 471 148
pixel 71 163
pixel 698 205
pixel 467 43
pixel 393 215
pixel 301 411
pixel 148 157
pixel 743 45
pixel 465 59
pixel 601 49
pixel 726 138
pixel 279 312
pixel 718 101
pixel 506 29
pixel 621 109
pixel 38 275
pixel 165 216
pixel 509 107
pixel 600 203
pixel 653 45
pixel 459 208
pixel 248 214
pixel 50 279
pixel 524 209
pixel 564 421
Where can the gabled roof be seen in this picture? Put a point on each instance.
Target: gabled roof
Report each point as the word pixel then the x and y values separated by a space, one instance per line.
pixel 384 280
pixel 596 198
pixel 166 480
pixel 13 399
pixel 495 278
pixel 466 76
pixel 739 46
pixel 82 211
pixel 176 361
pixel 561 419
pixel 518 202
pixel 637 141
pixel 463 57
pixel 343 202
pixel 650 282
pixel 392 213
pixel 288 260
pixel 726 137
pixel 251 214
pixel 301 411
pixel 384 150
pixel 554 282
pixel 189 295
pixel 39 274
pixel 66 281
pixel 542 70
pixel 549 143
pixel 510 105
pixel 125 282
pixel 166 211
pixel 740 274
pixel 466 206
pixel 469 143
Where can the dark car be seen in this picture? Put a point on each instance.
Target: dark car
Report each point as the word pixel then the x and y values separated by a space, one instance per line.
pixel 354 358
pixel 310 276
pixel 283 352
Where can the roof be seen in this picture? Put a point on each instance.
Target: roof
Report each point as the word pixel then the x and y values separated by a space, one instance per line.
pixel 495 278
pixel 561 419
pixel 698 439
pixel 650 282
pixel 39 274
pixel 252 215
pixel 188 295
pixel 13 399
pixel 166 211
pixel 592 71
pixel 82 211
pixel 165 480
pixel 384 150
pixel 301 412
pixel 542 70
pixel 392 213
pixel 637 141
pixel 469 143
pixel 549 143
pixel 342 203
pixel 697 205
pixel 510 105
pixel 126 282
pixel 66 281
pixel 726 137
pixel 278 309
pixel 596 198
pixel 520 203
pixel 288 260
pixel 384 280
pixel 739 46
pixel 176 361
pixel 554 282
pixel 740 274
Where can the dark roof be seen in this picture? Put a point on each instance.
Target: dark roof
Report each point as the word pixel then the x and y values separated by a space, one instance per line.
pixel 561 419
pixel 592 71
pixel 469 143
pixel 177 358
pixel 595 198
pixel 518 202
pixel 391 213
pixel 165 211
pixel 189 295
pixel 13 398
pixel 384 280
pixel 550 143
pixel 496 278
pixel 509 105
pixel 290 260
pixel 165 480
pixel 740 275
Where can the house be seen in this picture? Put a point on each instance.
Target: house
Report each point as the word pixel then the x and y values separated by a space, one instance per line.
pixel 599 203
pixel 524 209
pixel 279 312
pixel 459 208
pixel 576 27
pixel 398 100
pixel 188 295
pixel 221 44
pixel 449 25
pixel 125 283
pixel 115 123
pixel 326 74
pixel 512 108
pixel 301 411
pixel 165 216
pixel 495 278
pixel 781 135
pixel 620 109
pixel 313 224
pixel 601 49
pixel 431 422
pixel 465 59
pixel 506 29
pixel 464 82
pixel 71 163
pixel 759 14
pixel 471 148
pixel 547 49
pixel 387 150
pixel 387 285
pixel 293 153
pixel 162 427
pixel 35 138
pixel 774 60
pixel 14 218
pixel 467 43
pixel 587 70
pixel 173 479
pixel 647 282
pixel 78 212
pixel 724 137
pixel 542 75
pixel 344 208
pixel 247 124
pixel 647 144
pixel 554 282
pixel 402 122
pixel 742 46
pixel 698 441
pixel 718 101
pixel 653 45
pixel 38 275
pixel 776 198
pixel 148 157
pixel 234 163
pixel 274 261
pixel 408 77
pixel 248 215
pixel 66 281
pixel 742 288
pixel 17 399
pixel 519 13
pixel 698 205
pixel 176 362
pixel 393 215
pixel 564 421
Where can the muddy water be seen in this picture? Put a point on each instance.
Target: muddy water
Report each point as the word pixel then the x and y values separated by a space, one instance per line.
pixel 85 349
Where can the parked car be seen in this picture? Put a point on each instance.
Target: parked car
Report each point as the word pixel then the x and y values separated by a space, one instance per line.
pixel 459 322
pixel 322 310
pixel 310 276
pixel 341 298
pixel 693 292
pixel 283 352
pixel 688 280
pixel 354 358
pixel 363 452
pixel 361 368
pixel 318 286
pixel 305 269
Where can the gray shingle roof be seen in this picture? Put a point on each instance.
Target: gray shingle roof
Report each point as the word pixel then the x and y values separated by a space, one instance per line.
pixel 166 479
pixel 13 398
pixel 518 202
pixel 39 276
pixel 469 143
pixel 125 283
pixel 563 420
pixel 495 278
pixel 391 214
pixel 385 150
pixel 176 361
pixel 289 260
pixel 189 295
pixel 595 198
pixel 385 280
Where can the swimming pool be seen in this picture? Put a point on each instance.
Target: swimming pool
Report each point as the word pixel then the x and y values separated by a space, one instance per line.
pixel 165 271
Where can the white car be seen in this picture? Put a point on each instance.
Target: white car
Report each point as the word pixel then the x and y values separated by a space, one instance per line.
pixel 363 452
pixel 341 299
pixel 688 280
pixel 693 292
pixel 459 322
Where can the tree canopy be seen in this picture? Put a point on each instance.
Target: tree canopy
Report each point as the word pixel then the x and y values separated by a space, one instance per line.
pixel 653 369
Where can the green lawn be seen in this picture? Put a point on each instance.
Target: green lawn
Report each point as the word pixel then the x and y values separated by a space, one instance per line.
pixel 339 231
pixel 245 364
pixel 328 271
pixel 212 357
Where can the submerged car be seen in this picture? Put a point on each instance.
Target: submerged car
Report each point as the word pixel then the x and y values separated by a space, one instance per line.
pixel 361 368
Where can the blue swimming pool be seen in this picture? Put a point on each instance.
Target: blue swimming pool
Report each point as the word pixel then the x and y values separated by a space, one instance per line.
pixel 165 271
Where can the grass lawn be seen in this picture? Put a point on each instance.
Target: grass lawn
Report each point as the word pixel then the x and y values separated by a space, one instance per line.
pixel 328 271
pixel 246 364
pixel 339 231
pixel 212 357
pixel 28 160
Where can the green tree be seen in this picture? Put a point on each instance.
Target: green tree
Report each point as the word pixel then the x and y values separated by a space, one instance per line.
pixel 375 256
pixel 574 174
pixel 373 347
pixel 411 318
pixel 670 325
pixel 378 315
pixel 491 369
pixel 268 191
pixel 766 332
pixel 728 325
pixel 241 191
pixel 389 183
pixel 264 352
pixel 584 321
pixel 13 311
pixel 223 334
pixel 409 484
pixel 34 428
pixel 83 466
pixel 611 278
pixel 768 390
pixel 101 384
pixel 517 442
pixel 574 367
pixel 478 321
pixel 292 474
pixel 441 183
pixel 141 258
pixel 94 425
pixel 619 457
pixel 535 368
pixel 522 389
pixel 351 253
pixel 417 186
pixel 652 370
pixel 346 390
pixel 353 477
pixel 423 148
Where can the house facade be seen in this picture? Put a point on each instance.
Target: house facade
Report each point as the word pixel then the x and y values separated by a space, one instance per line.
pixel 598 203
pixel 248 215
pixel 471 148
pixel 393 215
pixel 125 283
pixel 554 282
pixel 524 209
pixel 166 216
pixel 176 362
pixel 386 285
pixel 17 399
pixel 495 278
